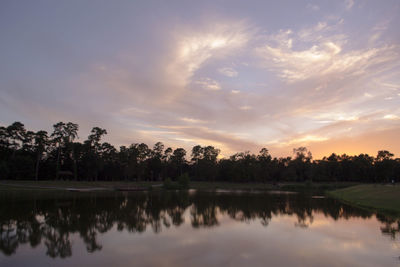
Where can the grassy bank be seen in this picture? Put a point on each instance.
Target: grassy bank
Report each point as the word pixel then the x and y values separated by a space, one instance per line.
pixel 62 185
pixel 381 198
pixel 314 188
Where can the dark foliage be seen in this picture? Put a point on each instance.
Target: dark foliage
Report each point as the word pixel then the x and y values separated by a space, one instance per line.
pixel 37 155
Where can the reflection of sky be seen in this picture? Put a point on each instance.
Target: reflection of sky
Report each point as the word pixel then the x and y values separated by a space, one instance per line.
pixel 238 75
pixel 325 242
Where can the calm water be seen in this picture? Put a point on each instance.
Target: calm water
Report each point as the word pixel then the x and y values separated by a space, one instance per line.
pixel 191 229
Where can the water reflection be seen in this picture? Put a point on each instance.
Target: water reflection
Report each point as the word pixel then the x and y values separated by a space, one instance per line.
pixel 52 219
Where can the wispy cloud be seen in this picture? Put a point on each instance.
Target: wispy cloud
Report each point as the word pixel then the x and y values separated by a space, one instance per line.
pixel 209 84
pixel 204 135
pixel 324 58
pixel 229 72
pixel 349 4
pixel 195 48
pixel 239 80
pixel 192 120
pixel 313 7
pixel 391 117
pixel 245 108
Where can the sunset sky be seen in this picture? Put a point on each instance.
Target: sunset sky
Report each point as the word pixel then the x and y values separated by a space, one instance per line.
pixel 238 75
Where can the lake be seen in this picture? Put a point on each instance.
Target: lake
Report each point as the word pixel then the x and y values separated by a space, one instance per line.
pixel 191 229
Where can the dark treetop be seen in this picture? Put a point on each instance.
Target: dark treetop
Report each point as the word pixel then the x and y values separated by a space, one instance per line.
pixel 39 155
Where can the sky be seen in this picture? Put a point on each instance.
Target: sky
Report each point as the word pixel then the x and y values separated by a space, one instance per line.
pixel 237 75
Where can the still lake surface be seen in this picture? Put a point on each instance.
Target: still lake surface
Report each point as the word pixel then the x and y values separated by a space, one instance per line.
pixel 191 229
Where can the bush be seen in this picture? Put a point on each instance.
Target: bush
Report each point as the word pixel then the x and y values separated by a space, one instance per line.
pixel 184 181
pixel 167 183
pixel 3 171
pixel 309 183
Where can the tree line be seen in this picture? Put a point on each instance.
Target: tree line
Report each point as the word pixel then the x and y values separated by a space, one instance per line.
pixel 28 155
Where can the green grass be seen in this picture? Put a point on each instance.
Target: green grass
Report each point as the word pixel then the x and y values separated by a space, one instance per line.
pixel 315 188
pixel 54 185
pixel 230 186
pixel 381 198
pixel 61 185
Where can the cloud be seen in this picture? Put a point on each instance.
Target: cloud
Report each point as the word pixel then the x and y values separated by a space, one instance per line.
pixel 327 57
pixel 349 4
pixel 229 72
pixel 313 7
pixel 230 143
pixel 192 120
pixel 195 48
pixel 321 71
pixel 316 80
pixel 323 59
pixel 368 95
pixel 304 140
pixel 391 117
pixel 209 84
pixel 245 108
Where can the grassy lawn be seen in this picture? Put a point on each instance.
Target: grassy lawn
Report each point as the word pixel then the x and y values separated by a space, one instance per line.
pixel 231 186
pixel 315 188
pixel 55 185
pixel 381 198
pixel 61 185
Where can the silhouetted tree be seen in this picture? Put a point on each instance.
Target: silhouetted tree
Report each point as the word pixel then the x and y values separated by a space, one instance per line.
pixel 178 159
pixel 28 155
pixel 41 143
pixel 94 148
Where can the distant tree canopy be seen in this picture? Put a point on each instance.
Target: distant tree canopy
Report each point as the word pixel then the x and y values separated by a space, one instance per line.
pixel 41 156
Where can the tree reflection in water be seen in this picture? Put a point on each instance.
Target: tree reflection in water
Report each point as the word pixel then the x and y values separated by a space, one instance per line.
pixel 52 218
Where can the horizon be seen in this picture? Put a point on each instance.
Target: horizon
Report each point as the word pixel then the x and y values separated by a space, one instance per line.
pixel 220 156
pixel 237 76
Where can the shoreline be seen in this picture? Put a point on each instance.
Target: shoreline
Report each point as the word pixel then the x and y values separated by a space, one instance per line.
pixel 84 186
pixel 383 199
